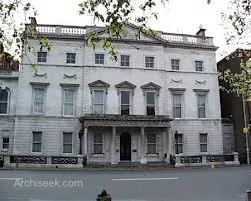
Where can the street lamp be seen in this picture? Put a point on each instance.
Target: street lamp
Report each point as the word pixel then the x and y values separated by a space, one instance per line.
pixel 246 126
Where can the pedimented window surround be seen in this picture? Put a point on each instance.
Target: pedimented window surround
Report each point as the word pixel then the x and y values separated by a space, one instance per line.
pixel 98 84
pixel 151 87
pixel 125 86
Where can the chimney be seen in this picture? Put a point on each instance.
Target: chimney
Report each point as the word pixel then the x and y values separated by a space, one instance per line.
pixel 33 20
pixel 201 33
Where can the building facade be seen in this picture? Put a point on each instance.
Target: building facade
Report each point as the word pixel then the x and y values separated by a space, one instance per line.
pixel 160 98
pixel 233 107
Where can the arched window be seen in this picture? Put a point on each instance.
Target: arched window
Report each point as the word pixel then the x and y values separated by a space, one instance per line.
pixel 3 101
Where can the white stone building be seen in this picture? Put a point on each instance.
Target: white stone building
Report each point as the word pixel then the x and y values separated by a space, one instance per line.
pixel 160 98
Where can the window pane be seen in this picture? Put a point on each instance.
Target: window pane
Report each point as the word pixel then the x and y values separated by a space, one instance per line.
pixel 67 138
pixel 37 137
pixel 199 65
pixel 203 148
pixel 149 62
pixel 68 109
pixel 98 97
pixel 150 110
pixel 151 138
pixel 175 64
pixel 177 112
pixel 3 108
pixel 38 107
pixel 150 98
pixel 125 109
pixel 98 149
pixel 99 58
pixel 41 56
pixel 125 95
pixel 67 142
pixel 39 95
pixel 179 148
pixel 98 109
pixel 178 143
pixel 70 57
pixel 125 60
pixel 36 147
pixel 151 148
pixel 68 96
pixel 67 148
pixel 203 138
pixel 201 100
pixel 97 138
pixel 3 96
pixel 5 143
pixel 177 99
pixel 201 112
pixel 178 138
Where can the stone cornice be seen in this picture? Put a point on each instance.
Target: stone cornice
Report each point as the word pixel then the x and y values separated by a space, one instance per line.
pixel 125 120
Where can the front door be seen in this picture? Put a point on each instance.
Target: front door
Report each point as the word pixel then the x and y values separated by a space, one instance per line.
pixel 125 147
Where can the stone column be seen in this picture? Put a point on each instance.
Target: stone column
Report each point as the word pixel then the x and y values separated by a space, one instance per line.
pixel 85 152
pixel 113 146
pixel 170 142
pixel 143 159
pixel 80 135
pixel 164 141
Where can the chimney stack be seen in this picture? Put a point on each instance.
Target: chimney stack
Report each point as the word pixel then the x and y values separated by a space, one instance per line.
pixel 201 33
pixel 33 21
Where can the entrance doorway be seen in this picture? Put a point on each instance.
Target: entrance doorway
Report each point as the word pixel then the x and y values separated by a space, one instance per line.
pixel 125 147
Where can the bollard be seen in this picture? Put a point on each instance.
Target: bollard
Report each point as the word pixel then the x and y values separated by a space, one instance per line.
pixel 248 195
pixel 212 165
pixel 104 196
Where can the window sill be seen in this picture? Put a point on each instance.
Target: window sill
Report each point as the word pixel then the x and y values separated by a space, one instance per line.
pixel 67 154
pixel 98 155
pixel 37 153
pixel 38 114
pixel 5 150
pixel 153 155
pixel 3 114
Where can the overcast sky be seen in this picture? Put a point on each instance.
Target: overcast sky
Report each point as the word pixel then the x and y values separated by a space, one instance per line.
pixel 178 16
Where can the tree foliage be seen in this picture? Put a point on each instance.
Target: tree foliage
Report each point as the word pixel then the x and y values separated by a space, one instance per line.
pixel 239 83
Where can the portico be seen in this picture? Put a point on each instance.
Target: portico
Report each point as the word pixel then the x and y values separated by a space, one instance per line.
pixel 125 138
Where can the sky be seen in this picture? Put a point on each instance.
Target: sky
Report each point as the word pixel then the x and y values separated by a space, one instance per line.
pixel 177 16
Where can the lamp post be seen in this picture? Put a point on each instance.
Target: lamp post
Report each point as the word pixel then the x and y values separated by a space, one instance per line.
pixel 246 126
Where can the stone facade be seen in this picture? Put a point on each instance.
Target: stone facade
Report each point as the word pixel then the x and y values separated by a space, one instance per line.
pixel 136 137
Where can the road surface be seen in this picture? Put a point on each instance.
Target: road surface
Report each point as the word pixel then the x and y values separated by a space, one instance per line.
pixel 203 184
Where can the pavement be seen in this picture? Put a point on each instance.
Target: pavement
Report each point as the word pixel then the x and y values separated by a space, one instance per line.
pixel 182 184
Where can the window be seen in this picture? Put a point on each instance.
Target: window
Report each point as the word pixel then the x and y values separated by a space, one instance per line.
pixel 203 142
pixel 99 59
pixel 68 106
pixel 5 143
pixel 149 62
pixel 201 105
pixel 67 142
pixel 125 102
pixel 175 63
pixel 70 58
pixel 177 105
pixel 41 57
pixel 178 143
pixel 199 65
pixel 3 101
pixel 124 60
pixel 151 144
pixel 97 143
pixel 38 104
pixel 37 142
pixel 150 103
pixel 98 101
